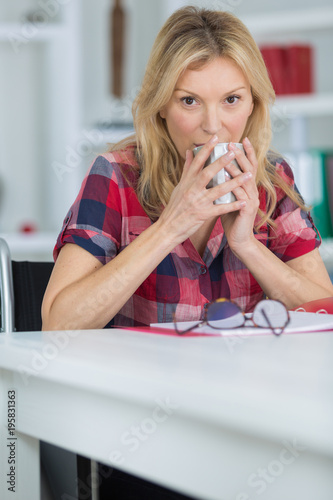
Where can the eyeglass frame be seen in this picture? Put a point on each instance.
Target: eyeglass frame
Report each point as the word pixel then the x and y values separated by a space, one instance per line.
pixel 205 321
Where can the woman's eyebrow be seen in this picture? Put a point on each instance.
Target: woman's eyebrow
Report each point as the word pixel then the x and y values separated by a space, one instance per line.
pixel 187 92
pixel 197 95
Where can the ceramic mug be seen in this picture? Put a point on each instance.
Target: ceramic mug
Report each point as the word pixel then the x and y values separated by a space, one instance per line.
pixel 222 176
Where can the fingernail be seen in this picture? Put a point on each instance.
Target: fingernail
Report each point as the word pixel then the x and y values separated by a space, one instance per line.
pixel 232 145
pixel 230 155
pixel 242 204
pixel 214 139
pixel 247 176
pixel 247 142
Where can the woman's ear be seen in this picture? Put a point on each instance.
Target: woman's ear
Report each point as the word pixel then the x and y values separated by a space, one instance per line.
pixel 162 113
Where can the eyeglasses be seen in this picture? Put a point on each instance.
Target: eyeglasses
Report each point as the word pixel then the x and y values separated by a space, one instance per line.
pixel 225 314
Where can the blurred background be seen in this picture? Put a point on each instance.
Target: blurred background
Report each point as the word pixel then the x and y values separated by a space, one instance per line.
pixel 70 69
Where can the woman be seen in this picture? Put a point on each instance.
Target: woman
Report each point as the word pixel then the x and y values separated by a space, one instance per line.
pixel 144 239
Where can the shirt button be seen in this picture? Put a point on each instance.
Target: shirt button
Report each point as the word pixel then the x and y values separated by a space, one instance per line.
pixel 203 270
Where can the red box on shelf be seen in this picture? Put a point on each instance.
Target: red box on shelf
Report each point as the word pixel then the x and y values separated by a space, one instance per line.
pixel 290 68
pixel 275 60
pixel 300 65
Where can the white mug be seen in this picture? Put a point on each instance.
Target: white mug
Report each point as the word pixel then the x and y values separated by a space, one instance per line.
pixel 222 176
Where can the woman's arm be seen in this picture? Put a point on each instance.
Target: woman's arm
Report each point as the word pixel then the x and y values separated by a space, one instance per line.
pixel 299 280
pixel 83 293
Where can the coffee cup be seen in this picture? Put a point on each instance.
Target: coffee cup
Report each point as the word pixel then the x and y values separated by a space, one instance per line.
pixel 222 176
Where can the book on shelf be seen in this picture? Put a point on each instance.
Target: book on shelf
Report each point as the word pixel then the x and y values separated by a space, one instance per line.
pixel 313 171
pixel 290 67
pixel 300 67
pixel 321 213
pixel 329 181
pixel 274 57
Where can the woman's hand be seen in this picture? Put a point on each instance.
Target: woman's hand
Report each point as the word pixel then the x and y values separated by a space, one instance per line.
pixel 238 226
pixel 191 203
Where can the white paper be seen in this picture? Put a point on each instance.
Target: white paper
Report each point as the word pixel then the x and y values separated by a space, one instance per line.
pixel 299 322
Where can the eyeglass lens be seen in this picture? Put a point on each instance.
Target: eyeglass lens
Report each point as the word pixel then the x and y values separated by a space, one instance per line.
pixel 267 314
pixel 224 314
pixel 270 313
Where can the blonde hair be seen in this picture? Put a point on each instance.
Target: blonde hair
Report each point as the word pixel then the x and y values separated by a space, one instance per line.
pixel 193 37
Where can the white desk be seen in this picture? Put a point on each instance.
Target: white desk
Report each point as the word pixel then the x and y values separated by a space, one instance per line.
pixel 231 419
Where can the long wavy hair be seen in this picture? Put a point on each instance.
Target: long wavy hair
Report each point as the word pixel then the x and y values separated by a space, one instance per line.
pixel 191 38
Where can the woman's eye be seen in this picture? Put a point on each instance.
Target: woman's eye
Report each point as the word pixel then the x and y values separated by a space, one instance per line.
pixel 232 99
pixel 188 100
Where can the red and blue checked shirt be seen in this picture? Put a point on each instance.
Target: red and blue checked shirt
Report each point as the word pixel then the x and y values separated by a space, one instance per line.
pixel 107 216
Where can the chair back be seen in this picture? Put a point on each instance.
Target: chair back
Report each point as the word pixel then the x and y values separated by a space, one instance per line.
pixel 30 280
pixel 22 287
pixel 6 289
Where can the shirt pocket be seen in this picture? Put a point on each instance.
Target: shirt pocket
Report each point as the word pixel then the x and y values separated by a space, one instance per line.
pixel 132 227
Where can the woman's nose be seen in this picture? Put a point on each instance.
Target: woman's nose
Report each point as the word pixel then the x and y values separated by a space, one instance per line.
pixel 211 122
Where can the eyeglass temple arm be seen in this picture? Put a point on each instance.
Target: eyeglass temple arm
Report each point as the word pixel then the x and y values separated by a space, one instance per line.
pixel 270 324
pixel 188 329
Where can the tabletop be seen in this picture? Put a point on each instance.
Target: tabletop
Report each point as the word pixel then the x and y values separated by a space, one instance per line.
pixel 197 414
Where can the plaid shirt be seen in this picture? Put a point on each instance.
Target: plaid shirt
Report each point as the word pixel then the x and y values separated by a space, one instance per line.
pixel 107 216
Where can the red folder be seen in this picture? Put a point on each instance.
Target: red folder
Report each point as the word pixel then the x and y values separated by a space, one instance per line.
pixel 275 60
pixel 290 68
pixel 172 332
pixel 319 306
pixel 300 68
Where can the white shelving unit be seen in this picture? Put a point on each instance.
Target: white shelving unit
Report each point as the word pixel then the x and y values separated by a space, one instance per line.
pixel 298 109
pixel 291 21
pixel 31 246
pixel 307 105
pixel 57 42
pixel 11 31
pixel 295 110
pixel 111 135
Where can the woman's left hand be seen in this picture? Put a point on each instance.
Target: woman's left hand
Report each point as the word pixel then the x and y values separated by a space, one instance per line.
pixel 238 226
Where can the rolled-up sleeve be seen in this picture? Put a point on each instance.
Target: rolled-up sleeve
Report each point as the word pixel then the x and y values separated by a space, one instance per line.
pixel 295 233
pixel 94 220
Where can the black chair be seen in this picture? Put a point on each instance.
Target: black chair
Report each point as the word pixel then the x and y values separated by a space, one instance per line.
pixel 22 287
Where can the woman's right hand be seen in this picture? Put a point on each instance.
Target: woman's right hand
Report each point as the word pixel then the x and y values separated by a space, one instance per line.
pixel 191 203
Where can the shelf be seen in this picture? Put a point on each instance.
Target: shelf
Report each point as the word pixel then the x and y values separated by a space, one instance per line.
pixel 30 246
pixel 114 134
pixel 43 33
pixel 306 105
pixel 291 21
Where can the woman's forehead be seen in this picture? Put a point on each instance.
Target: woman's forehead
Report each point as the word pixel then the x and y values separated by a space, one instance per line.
pixel 221 71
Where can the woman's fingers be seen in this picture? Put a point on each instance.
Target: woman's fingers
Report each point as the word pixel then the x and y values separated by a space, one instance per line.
pixel 251 189
pixel 196 178
pixel 188 160
pixel 246 160
pixel 236 185
pixel 246 163
pixel 202 156
pixel 250 153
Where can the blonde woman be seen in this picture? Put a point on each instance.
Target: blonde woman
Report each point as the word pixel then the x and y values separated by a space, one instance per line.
pixel 144 240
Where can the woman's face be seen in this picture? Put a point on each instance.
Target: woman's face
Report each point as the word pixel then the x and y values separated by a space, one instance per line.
pixel 215 99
